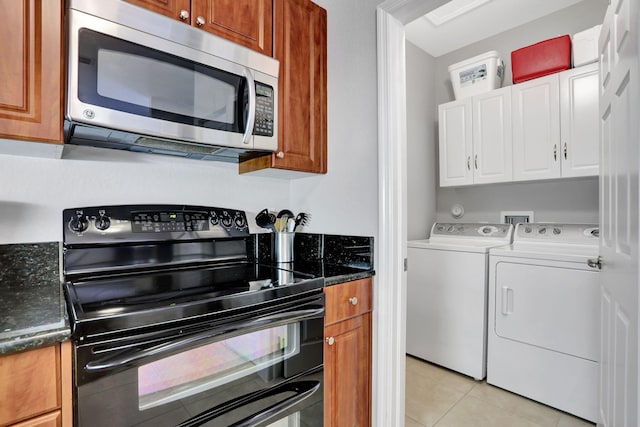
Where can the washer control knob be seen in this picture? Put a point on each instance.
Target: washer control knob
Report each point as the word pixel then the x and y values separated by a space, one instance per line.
pixel 557 230
pixel 486 230
pixel 102 222
pixel 527 229
pixel 79 224
pixel 451 229
pixel 543 230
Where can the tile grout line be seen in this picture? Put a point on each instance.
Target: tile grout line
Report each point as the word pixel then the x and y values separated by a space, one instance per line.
pixel 456 404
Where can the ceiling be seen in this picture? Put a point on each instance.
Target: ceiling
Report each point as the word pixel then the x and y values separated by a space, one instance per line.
pixel 490 18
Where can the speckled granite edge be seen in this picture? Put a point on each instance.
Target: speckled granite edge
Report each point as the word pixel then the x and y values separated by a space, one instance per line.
pixel 35 340
pixel 334 280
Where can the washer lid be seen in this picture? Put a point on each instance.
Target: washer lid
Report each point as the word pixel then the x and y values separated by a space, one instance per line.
pixel 456 245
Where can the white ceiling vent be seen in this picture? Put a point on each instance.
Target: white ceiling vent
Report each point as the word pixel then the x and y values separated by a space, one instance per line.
pixel 452 10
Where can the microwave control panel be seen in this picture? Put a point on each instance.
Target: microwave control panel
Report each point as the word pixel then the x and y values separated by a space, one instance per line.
pixel 264 110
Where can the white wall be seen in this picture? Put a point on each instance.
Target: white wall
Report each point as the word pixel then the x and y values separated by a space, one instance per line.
pixel 345 201
pixel 422 142
pixel 557 201
pixel 33 191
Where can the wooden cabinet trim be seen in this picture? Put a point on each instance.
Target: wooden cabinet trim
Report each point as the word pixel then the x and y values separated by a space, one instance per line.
pixel 34 112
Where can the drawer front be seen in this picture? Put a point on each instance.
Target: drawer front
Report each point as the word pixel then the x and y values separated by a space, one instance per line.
pixel 29 383
pixel 347 300
pixel 52 419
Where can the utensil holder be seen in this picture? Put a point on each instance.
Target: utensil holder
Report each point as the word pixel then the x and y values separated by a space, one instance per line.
pixel 284 246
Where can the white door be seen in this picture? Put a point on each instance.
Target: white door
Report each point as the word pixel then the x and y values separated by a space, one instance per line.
pixel 579 121
pixel 619 121
pixel 492 145
pixel 454 143
pixel 536 129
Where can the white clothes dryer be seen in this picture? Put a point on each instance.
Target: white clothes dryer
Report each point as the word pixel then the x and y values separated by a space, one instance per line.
pixel 544 315
pixel 447 294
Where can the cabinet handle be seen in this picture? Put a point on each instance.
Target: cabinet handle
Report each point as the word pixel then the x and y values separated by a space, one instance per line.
pixel 353 300
pixel 280 155
pixel 469 163
pixel 555 152
pixel 184 15
pixel 475 161
pixel 200 21
pixel 330 340
pixel 565 151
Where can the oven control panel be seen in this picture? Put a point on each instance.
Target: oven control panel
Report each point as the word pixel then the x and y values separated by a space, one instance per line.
pixel 127 223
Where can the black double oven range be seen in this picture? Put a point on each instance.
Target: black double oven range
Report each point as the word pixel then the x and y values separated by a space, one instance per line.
pixel 174 323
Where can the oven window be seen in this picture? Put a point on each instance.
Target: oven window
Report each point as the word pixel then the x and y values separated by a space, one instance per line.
pixel 213 365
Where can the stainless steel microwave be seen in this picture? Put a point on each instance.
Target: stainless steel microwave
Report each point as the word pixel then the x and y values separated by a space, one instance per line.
pixel 144 82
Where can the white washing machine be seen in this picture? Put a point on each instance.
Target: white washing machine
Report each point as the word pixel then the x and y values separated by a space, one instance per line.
pixel 447 294
pixel 544 316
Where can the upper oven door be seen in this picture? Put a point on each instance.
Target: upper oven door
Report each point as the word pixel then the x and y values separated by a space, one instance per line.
pixel 124 78
pixel 250 369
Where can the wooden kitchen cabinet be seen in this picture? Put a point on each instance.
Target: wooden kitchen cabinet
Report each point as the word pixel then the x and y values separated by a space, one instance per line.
pixel 246 22
pixel 347 363
pixel 300 41
pixel 31 42
pixel 35 387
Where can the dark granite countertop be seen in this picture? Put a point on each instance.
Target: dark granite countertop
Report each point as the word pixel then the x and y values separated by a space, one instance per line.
pixel 333 273
pixel 31 298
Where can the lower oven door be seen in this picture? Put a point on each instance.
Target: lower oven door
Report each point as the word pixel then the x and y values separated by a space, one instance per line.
pixel 264 371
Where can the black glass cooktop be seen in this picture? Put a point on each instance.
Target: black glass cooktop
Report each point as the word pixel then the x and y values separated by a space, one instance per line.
pixel 172 295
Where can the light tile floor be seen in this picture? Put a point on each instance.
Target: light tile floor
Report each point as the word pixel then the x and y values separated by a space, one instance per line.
pixel 438 397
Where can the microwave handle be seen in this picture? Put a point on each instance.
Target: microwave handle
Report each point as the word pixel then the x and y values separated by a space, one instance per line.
pixel 251 116
pixel 127 358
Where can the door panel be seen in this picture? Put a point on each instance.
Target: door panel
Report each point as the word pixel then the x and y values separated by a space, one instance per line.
pixel 619 112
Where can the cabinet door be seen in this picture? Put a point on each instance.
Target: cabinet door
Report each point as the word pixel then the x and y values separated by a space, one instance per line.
pixel 301 48
pixel 536 129
pixel 246 22
pixel 579 123
pixel 347 372
pixel 31 98
pixel 177 9
pixel 492 146
pixel 455 146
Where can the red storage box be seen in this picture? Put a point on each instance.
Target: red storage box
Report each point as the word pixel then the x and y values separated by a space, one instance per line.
pixel 540 59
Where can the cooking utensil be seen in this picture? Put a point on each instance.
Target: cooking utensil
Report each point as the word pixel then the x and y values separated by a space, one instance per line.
pixel 265 219
pixel 281 219
pixel 302 219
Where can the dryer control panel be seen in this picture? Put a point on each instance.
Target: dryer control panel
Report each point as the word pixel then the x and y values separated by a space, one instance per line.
pixel 585 234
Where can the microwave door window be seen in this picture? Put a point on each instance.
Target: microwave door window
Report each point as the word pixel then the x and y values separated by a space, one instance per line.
pixel 127 77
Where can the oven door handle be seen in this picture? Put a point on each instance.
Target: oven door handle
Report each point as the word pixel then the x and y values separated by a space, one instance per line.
pixel 125 359
pixel 302 390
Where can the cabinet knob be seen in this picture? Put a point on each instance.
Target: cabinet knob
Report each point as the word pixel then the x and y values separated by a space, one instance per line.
pixel 184 15
pixel 555 152
pixel 280 155
pixel 475 161
pixel 353 300
pixel 330 340
pixel 200 21
pixel 468 163
pixel 565 151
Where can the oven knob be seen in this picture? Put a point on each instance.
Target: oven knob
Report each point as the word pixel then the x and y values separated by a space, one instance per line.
pixel 102 223
pixel 79 224
pixel 227 221
pixel 214 218
pixel 240 221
